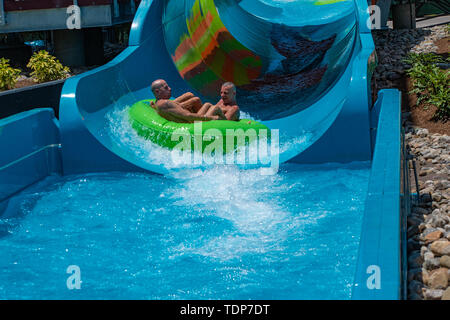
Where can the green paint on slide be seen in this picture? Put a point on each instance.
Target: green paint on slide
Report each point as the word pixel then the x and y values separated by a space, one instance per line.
pixel 325 2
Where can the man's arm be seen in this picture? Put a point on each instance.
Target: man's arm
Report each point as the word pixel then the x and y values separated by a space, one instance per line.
pixel 233 113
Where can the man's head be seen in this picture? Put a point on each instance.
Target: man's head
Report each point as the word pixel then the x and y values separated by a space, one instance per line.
pixel 228 93
pixel 161 89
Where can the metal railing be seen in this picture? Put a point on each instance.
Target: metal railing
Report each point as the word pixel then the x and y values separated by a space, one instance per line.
pixel 405 211
pixel 409 200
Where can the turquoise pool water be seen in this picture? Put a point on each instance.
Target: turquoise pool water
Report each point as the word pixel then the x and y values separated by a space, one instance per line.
pixel 223 233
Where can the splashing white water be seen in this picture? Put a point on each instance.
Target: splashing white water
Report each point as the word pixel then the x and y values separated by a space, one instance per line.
pixel 146 152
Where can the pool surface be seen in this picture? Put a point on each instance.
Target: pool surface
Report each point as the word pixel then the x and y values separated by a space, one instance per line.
pixel 222 233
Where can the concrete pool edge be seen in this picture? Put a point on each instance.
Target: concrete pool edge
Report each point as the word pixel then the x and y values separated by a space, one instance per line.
pixel 379 274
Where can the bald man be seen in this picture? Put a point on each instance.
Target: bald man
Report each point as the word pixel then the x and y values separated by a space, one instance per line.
pixel 228 103
pixel 184 109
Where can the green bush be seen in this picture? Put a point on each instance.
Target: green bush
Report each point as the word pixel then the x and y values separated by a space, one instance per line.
pixel 46 67
pixel 423 58
pixel 8 75
pixel 430 83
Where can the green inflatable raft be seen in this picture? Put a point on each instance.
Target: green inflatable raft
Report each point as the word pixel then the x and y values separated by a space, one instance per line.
pixel 150 125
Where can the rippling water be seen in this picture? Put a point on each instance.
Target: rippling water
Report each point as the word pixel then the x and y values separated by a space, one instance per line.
pixel 221 233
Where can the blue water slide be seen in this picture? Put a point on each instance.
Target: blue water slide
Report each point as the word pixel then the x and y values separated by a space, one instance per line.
pixel 301 67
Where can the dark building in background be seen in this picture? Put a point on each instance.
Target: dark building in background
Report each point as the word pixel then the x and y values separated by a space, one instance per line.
pixel 73 47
